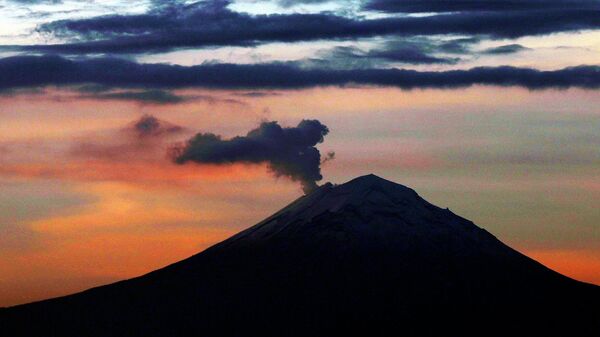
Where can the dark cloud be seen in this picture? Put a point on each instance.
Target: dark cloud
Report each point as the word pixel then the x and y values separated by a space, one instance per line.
pixel 415 51
pixel 506 49
pixel 406 52
pixel 212 23
pixel 410 55
pixel 288 152
pixel 341 57
pixel 457 46
pixel 32 71
pixel 436 6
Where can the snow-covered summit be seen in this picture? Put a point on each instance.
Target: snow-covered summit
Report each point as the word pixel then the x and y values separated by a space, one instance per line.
pixel 369 211
pixel 368 189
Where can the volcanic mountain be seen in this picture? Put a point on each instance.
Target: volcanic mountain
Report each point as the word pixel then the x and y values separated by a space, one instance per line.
pixel 366 258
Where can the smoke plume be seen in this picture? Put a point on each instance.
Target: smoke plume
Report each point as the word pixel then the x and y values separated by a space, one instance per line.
pixel 288 151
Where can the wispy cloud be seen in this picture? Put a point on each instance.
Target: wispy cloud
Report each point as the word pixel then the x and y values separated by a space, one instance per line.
pixel 143 140
pixel 153 97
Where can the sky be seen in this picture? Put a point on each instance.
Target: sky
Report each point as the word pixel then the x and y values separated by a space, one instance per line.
pixel 134 134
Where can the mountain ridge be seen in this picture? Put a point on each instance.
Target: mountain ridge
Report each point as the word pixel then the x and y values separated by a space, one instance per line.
pixel 361 258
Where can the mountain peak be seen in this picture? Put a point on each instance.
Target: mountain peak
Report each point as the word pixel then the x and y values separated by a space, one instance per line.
pixel 368 257
pixel 372 182
pixel 363 206
pixel 371 178
pixel 358 192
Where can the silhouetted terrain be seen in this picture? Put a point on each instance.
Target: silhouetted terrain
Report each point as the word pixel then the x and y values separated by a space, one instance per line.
pixel 366 258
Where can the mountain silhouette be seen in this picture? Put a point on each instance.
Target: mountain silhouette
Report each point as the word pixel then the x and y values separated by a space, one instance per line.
pixel 365 258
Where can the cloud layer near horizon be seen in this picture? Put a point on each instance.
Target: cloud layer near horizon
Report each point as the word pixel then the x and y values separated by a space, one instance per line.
pixel 32 71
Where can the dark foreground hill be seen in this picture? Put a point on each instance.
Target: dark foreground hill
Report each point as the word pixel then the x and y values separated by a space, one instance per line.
pixel 366 258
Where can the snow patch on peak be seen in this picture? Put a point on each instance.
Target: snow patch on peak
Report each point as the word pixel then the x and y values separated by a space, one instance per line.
pixel 372 182
pixel 370 195
pixel 368 211
pixel 369 188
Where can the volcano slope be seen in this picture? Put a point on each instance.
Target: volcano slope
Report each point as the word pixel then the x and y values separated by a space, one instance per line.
pixel 365 258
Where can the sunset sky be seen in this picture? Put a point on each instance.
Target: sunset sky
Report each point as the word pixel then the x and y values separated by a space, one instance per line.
pixel 117 119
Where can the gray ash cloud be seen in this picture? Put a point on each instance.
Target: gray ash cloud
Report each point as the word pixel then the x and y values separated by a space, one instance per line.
pixel 288 151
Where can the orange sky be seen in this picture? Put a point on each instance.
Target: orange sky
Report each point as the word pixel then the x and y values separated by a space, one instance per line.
pixel 72 220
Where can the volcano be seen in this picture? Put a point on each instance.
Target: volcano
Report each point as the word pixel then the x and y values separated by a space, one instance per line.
pixel 365 258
